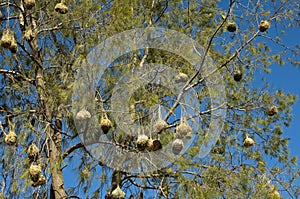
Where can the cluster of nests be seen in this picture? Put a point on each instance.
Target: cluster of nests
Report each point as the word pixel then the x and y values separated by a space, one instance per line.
pixel 61 7
pixel 262 27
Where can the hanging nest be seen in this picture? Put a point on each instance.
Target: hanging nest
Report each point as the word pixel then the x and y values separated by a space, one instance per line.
pixel 142 142
pixel 29 4
pixel 156 145
pixel 177 146
pixel 231 26
pixel 159 126
pixel 181 78
pixel 10 138
pixel 41 181
pixel 274 194
pixel 28 35
pixel 85 173
pixel 61 8
pixel 272 110
pixel 237 75
pixel 6 38
pixel 35 172
pixel 264 25
pixel 248 142
pixel 118 193
pixel 105 124
pixel 13 46
pixel 183 130
pixel 33 152
pixel 83 114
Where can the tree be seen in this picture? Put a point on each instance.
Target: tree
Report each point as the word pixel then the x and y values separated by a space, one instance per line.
pixel 45 45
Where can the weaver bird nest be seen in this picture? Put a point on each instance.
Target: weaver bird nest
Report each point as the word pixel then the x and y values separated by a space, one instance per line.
pixel 105 124
pixel 237 75
pixel 159 126
pixel 231 26
pixel 33 152
pixel 28 35
pixel 8 41
pixel 143 142
pixel 177 146
pixel 272 110
pixel 61 8
pixel 29 4
pixel 35 172
pixel 183 130
pixel 10 138
pixel 118 193
pixel 248 142
pixel 181 78
pixel 83 114
pixel 41 181
pixel 264 25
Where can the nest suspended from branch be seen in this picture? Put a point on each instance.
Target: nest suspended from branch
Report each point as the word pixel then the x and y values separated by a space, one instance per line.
pixel 237 75
pixel 6 38
pixel 181 78
pixel 29 4
pixel 61 8
pixel 156 145
pixel 13 46
pixel 118 193
pixel 231 26
pixel 28 35
pixel 83 114
pixel 41 181
pixel 264 25
pixel 33 152
pixel 159 126
pixel 183 130
pixel 10 138
pixel 272 110
pixel 142 142
pixel 35 172
pixel 177 146
pixel 105 124
pixel 248 142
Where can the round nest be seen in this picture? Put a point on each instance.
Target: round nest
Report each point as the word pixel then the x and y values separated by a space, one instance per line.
pixel 118 193
pixel 159 126
pixel 177 146
pixel 28 35
pixel 32 152
pixel 105 125
pixel 272 110
pixel 156 145
pixel 41 181
pixel 182 130
pixel 29 4
pixel 237 75
pixel 6 39
pixel 181 78
pixel 35 172
pixel 10 138
pixel 83 114
pixel 231 26
pixel 142 142
pixel 248 142
pixel 264 25
pixel 13 46
pixel 61 8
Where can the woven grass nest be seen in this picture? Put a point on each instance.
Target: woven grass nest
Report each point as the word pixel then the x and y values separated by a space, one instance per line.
pixel 237 75
pixel 118 193
pixel 264 25
pixel 41 181
pixel 29 4
pixel 183 130
pixel 159 125
pixel 83 114
pixel 105 124
pixel 35 172
pixel 142 142
pixel 231 26
pixel 177 146
pixel 28 35
pixel 272 110
pixel 248 142
pixel 10 138
pixel 33 152
pixel 61 8
pixel 181 78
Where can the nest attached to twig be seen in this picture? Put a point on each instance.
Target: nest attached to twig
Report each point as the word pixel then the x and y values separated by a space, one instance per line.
pixel 248 142
pixel 177 146
pixel 83 114
pixel 61 8
pixel 10 138
pixel 29 4
pixel 272 110
pixel 35 172
pixel 118 193
pixel 28 35
pixel 237 75
pixel 105 124
pixel 183 130
pixel 264 25
pixel 142 142
pixel 159 126
pixel 6 38
pixel 231 26
pixel 41 181
pixel 181 78
pixel 33 152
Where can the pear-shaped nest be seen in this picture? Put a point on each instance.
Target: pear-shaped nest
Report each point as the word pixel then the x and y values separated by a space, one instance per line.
pixel 272 110
pixel 118 193
pixel 159 126
pixel 7 38
pixel 237 75
pixel 29 4
pixel 183 130
pixel 83 114
pixel 264 25
pixel 181 78
pixel 41 181
pixel 10 138
pixel 35 172
pixel 231 26
pixel 177 146
pixel 248 142
pixel 142 142
pixel 61 8
pixel 33 152
pixel 105 125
